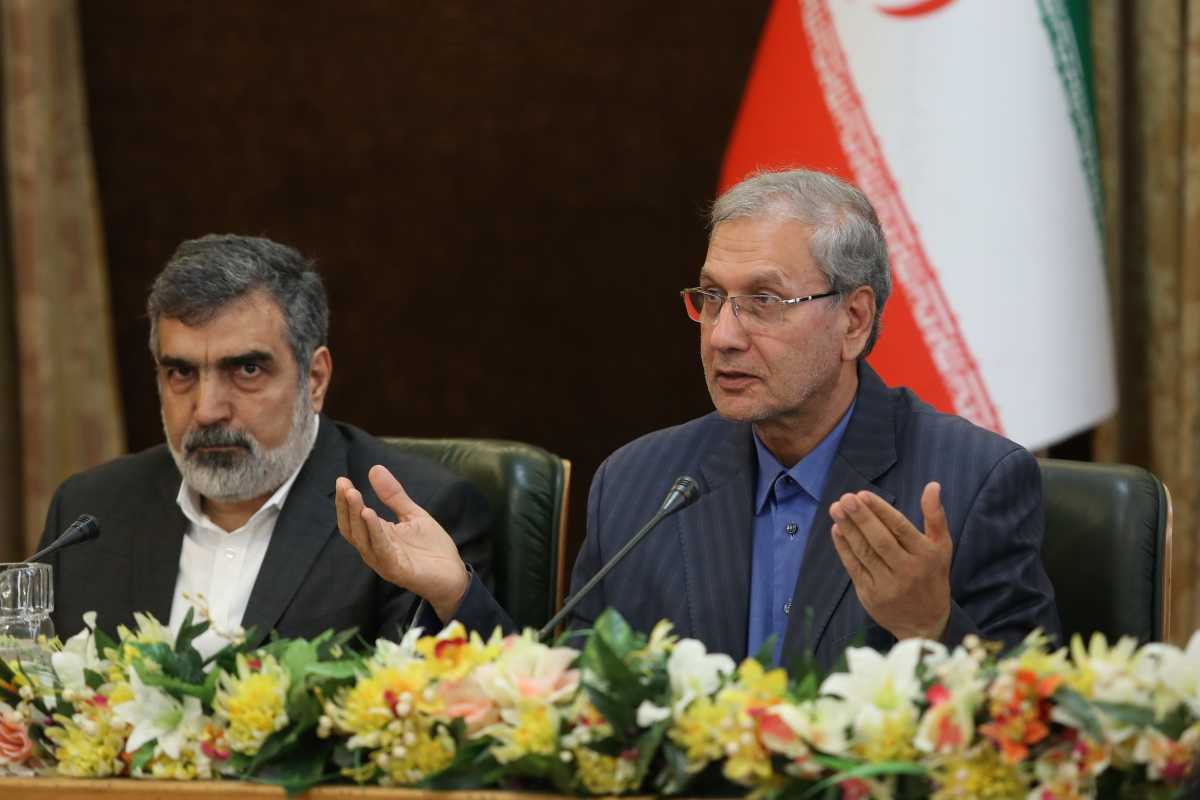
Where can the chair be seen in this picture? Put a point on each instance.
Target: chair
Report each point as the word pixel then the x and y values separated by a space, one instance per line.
pixel 526 488
pixel 1107 549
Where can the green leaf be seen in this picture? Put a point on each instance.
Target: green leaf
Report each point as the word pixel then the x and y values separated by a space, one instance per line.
pixel 1079 708
pixel 1127 714
pixel 615 631
pixel 93 679
pixel 171 684
pixel 765 655
pixel 620 715
pixel 648 746
pixel 103 640
pixel 867 771
pixel 142 756
pixel 473 767
pixel 188 632
pixel 300 769
pixel 608 665
pixel 344 670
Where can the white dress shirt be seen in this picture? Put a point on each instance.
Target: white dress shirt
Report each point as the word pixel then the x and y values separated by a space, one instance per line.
pixel 219 568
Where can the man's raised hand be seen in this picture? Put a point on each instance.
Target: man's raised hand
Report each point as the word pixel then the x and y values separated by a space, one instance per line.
pixel 414 552
pixel 902 578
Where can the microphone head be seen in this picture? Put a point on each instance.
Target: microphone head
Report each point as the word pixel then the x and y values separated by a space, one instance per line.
pixel 83 529
pixel 684 492
pixel 689 487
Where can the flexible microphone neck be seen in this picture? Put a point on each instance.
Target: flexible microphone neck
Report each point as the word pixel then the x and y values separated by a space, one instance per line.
pixel 683 493
pixel 83 529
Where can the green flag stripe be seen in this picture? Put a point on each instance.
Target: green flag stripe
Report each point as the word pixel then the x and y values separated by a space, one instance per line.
pixel 1066 23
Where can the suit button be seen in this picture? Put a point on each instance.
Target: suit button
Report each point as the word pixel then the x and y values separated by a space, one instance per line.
pixel 792 528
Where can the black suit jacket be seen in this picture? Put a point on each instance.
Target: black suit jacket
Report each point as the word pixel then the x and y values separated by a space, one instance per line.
pixel 311 579
pixel 695 568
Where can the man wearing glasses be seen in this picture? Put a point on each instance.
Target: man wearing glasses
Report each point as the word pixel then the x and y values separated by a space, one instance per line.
pixel 833 507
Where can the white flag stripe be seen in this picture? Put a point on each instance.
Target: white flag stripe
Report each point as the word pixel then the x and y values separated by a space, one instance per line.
pixel 974 123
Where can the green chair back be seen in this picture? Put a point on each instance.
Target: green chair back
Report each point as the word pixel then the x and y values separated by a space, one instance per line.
pixel 526 488
pixel 1107 549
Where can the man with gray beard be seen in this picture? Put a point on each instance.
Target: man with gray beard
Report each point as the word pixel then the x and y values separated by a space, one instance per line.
pixel 234 514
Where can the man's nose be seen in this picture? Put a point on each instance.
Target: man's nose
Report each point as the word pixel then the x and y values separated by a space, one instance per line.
pixel 213 402
pixel 727 332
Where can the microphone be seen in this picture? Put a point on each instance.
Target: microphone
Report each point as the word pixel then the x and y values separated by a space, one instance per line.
pixel 83 529
pixel 683 493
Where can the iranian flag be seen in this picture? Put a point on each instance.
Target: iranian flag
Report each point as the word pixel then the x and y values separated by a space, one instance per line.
pixel 969 124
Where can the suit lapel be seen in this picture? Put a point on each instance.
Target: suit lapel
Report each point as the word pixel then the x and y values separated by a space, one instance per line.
pixel 715 540
pixel 155 555
pixel 867 450
pixel 304 526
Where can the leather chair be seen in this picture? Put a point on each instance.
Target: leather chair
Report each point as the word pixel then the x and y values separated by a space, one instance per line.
pixel 526 488
pixel 1107 549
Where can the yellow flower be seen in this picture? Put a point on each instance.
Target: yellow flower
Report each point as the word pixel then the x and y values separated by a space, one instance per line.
pixel 253 702
pixel 697 731
pixel 605 775
pixel 453 653
pixel 422 752
pixel 89 744
pixel 380 697
pixel 527 730
pixel 979 774
pixel 191 765
pixel 760 683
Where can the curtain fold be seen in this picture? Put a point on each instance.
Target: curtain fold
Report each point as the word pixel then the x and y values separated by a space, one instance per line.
pixel 1148 103
pixel 64 371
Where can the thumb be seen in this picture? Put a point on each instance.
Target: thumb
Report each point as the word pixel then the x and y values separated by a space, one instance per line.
pixel 390 492
pixel 936 529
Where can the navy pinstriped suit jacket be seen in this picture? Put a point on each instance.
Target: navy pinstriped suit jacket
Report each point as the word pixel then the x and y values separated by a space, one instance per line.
pixel 695 568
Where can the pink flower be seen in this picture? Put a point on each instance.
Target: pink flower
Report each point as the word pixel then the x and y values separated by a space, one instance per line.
pixel 529 671
pixel 15 744
pixel 467 701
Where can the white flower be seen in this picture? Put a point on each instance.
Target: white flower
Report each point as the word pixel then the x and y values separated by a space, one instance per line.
pixel 881 687
pixel 822 724
pixel 79 653
pixel 159 717
pixel 528 670
pixel 695 673
pixel 390 654
pixel 648 714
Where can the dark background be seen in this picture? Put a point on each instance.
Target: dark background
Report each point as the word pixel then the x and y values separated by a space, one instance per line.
pixel 504 197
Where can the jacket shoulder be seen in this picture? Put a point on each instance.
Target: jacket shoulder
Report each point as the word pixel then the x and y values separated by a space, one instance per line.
pixel 678 446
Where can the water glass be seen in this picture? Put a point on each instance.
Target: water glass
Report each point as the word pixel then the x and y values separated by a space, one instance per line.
pixel 26 601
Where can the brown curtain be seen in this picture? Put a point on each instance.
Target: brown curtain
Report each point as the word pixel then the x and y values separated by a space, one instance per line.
pixel 1148 107
pixel 58 392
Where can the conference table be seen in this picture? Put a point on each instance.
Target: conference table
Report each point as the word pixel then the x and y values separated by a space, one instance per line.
pixel 127 789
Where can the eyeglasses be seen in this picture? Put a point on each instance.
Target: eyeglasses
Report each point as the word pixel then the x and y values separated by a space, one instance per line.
pixel 754 311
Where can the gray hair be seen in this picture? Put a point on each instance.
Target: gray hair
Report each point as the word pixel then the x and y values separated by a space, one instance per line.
pixel 847 241
pixel 206 274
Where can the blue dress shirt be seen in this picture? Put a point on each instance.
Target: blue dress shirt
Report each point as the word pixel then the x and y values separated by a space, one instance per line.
pixel 785 503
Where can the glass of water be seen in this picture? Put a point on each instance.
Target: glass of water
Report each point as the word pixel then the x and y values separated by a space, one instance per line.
pixel 26 602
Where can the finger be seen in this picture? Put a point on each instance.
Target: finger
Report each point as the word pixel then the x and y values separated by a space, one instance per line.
pixel 857 541
pixel 854 568
pixel 892 518
pixel 391 493
pixel 340 487
pixel 877 535
pixel 936 527
pixel 356 530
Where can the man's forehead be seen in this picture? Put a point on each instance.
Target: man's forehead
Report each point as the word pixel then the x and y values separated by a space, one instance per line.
pixel 247 324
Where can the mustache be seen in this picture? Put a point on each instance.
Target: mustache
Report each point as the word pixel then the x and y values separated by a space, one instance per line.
pixel 215 436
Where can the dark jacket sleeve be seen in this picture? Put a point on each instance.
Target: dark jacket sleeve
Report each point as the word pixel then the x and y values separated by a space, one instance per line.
pixel 999 588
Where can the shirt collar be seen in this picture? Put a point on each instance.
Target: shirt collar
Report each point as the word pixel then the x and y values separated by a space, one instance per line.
pixel 809 472
pixel 189 501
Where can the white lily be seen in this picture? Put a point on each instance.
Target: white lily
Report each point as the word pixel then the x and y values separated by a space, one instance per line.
pixel 694 672
pixel 391 654
pixel 157 716
pixel 882 688
pixel 79 654
pixel 648 714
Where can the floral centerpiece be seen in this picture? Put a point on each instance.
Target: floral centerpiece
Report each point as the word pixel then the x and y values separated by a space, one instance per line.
pixel 624 713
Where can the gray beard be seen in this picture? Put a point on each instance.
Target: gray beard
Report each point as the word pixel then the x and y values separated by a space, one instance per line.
pixel 253 471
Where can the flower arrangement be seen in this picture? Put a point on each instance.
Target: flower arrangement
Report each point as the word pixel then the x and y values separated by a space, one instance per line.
pixel 625 713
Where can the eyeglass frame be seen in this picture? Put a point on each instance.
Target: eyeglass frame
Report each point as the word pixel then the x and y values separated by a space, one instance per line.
pixel 732 299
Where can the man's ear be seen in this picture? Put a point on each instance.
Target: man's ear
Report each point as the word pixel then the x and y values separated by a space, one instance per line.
pixel 859 308
pixel 320 370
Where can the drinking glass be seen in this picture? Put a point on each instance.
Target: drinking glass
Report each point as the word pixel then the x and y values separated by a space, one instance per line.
pixel 26 601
